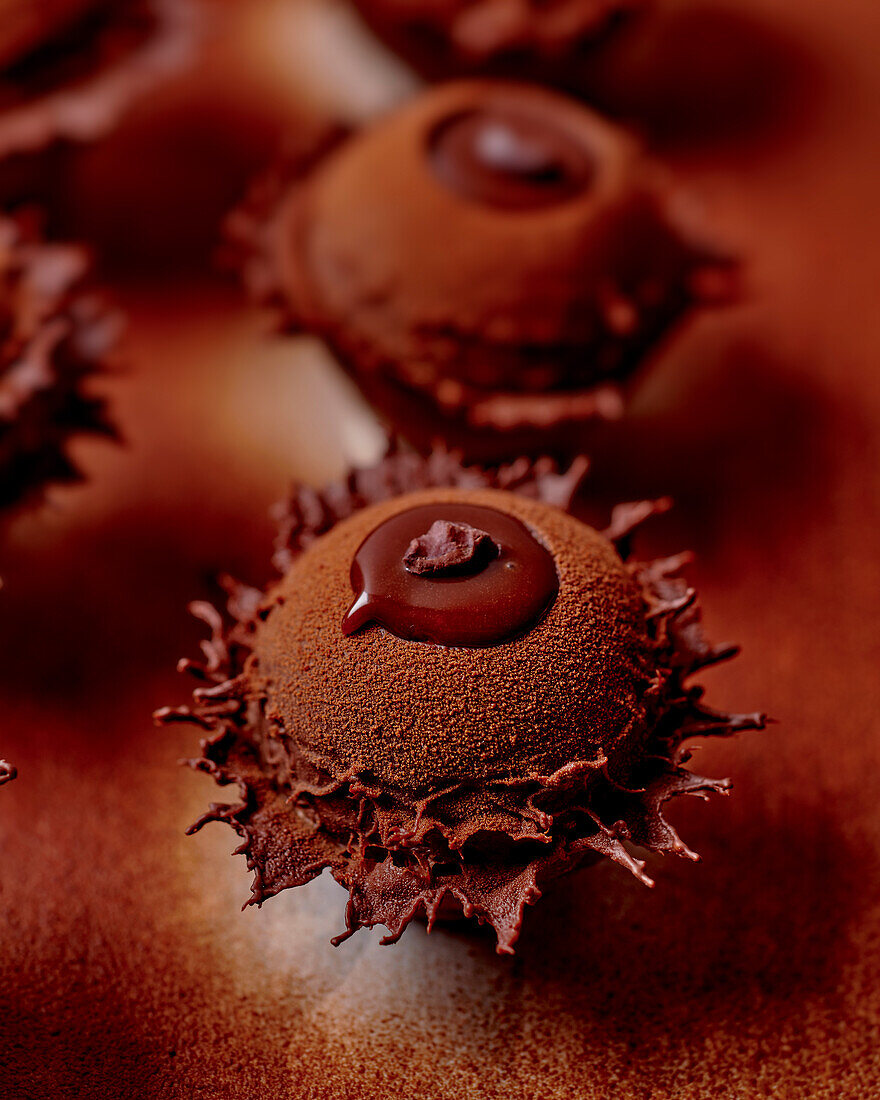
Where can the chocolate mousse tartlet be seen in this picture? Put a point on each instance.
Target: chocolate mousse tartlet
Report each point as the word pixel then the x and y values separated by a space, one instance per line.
pixel 54 335
pixel 491 263
pixel 520 38
pixel 456 693
pixel 68 68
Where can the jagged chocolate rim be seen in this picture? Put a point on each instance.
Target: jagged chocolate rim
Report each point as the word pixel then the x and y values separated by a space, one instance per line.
pixel 60 336
pixel 255 228
pixel 86 109
pixel 398 856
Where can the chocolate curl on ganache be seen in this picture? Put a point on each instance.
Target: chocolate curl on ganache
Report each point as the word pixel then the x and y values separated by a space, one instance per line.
pixel 55 335
pixel 75 79
pixel 480 839
pixel 566 259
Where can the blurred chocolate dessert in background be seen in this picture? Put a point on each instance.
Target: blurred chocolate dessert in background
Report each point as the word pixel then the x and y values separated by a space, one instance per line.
pixel 55 336
pixel 492 263
pixel 456 694
pixel 690 77
pixel 525 39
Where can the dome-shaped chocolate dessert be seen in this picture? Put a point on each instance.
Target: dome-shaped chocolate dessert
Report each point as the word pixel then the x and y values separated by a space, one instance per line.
pixel 69 68
pixel 54 335
pixel 452 697
pixel 490 263
pixel 522 38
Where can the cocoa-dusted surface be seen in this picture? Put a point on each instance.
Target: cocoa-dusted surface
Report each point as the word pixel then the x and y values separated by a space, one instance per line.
pixel 751 975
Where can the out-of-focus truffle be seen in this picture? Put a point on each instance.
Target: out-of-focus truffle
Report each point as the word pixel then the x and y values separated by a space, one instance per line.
pixel 546 731
pixel 519 38
pixel 54 335
pixel 69 68
pixel 491 263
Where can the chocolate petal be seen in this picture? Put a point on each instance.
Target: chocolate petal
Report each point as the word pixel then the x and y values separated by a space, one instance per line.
pixel 449 548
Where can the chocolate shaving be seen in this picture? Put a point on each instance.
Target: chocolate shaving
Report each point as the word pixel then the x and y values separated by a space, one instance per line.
pixel 403 857
pixel 473 36
pixel 449 548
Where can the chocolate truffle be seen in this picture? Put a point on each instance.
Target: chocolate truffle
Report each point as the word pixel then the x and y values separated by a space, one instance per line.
pixel 54 335
pixel 521 38
pixel 491 263
pixel 453 696
pixel 68 68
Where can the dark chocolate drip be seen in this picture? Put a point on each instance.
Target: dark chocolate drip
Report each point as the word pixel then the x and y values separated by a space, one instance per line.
pixel 482 578
pixel 511 159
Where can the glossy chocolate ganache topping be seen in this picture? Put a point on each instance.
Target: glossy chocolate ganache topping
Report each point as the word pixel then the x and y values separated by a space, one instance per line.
pixel 455 584
pixel 430 778
pixel 510 158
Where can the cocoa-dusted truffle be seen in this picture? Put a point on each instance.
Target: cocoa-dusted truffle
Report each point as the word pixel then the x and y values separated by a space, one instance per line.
pixel 521 38
pixel 544 732
pixel 490 262
pixel 54 335
pixel 69 68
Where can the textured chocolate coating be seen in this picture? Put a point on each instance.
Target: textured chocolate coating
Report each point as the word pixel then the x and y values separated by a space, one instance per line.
pixel 483 585
pixel 430 779
pixel 69 68
pixel 54 335
pixel 542 294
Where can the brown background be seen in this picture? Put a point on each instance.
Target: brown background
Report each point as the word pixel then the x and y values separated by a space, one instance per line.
pixel 126 968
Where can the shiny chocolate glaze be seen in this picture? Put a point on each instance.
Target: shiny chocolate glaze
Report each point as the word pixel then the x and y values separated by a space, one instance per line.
pixel 510 158
pixel 491 580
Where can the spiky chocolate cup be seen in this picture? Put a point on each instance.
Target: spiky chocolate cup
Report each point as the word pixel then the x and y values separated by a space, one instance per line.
pixel 69 68
pixel 520 711
pixel 491 263
pixel 54 336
